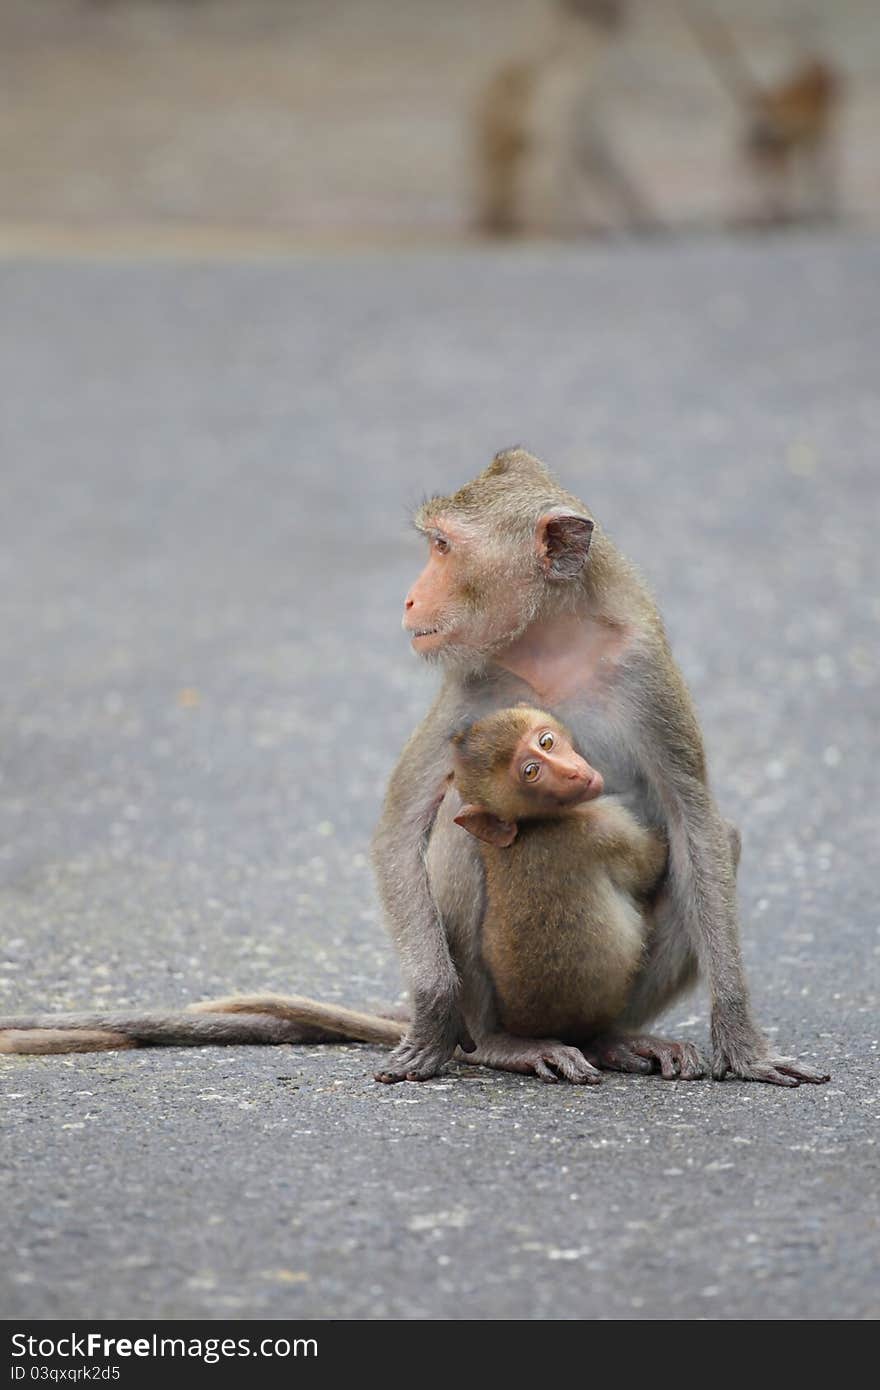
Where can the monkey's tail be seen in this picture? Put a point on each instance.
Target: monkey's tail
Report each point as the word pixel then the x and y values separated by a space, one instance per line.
pixel 106 1032
pixel 334 1022
pixel 236 1020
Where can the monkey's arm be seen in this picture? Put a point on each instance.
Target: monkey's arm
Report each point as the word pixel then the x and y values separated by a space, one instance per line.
pixel 415 792
pixel 699 895
pixel 635 856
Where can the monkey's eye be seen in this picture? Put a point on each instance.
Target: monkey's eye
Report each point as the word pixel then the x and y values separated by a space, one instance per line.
pixel 546 740
pixel 530 771
pixel 441 545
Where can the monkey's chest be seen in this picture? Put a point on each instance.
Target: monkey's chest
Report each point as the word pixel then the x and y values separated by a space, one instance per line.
pixel 564 970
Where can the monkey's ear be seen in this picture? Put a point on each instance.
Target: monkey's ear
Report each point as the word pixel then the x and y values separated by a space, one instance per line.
pixel 481 823
pixel 563 543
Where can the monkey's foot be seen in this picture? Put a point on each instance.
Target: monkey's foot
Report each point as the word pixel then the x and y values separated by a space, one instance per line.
pixel 411 1062
pixel 775 1071
pixel 674 1060
pixel 543 1057
pixel 428 1044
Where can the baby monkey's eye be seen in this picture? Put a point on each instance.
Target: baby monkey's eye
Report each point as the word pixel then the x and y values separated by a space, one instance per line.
pixel 530 771
pixel 546 740
pixel 441 545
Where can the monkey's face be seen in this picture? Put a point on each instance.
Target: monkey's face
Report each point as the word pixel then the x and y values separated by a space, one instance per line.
pixel 546 776
pixel 505 549
pixel 518 765
pixel 473 597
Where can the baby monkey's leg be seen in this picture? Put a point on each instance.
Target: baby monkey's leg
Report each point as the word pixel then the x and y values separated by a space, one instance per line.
pixel 546 1058
pixel 641 1053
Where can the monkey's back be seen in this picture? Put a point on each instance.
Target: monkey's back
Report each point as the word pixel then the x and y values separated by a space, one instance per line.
pixel 562 940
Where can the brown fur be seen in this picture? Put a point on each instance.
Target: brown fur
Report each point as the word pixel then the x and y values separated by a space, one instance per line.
pixel 796 114
pixel 565 925
pixel 564 931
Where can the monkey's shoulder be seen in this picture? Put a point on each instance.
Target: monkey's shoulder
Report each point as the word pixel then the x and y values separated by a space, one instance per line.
pixel 597 825
pixel 578 843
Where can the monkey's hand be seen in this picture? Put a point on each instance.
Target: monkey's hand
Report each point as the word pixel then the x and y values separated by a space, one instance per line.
pixel 429 1044
pixel 757 1063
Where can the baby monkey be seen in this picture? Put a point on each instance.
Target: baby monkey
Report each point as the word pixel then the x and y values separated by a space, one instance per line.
pixel 569 875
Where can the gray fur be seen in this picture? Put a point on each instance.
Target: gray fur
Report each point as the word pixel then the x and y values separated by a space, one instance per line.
pixel 640 731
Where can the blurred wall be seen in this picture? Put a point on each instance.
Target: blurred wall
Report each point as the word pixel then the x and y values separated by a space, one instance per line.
pixel 350 119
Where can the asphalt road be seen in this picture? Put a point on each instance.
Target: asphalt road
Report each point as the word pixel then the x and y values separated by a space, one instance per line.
pixel 206 473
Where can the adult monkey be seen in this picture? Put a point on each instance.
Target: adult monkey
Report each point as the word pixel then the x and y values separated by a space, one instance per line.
pixel 524 597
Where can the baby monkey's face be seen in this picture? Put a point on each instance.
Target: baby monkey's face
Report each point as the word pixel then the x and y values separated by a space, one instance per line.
pixel 545 773
pixel 518 765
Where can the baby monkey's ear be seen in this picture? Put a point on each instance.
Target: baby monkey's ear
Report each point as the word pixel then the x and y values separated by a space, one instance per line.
pixel 481 823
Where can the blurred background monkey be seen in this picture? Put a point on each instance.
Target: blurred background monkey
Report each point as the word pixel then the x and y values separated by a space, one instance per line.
pixel 543 159
pixel 788 135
